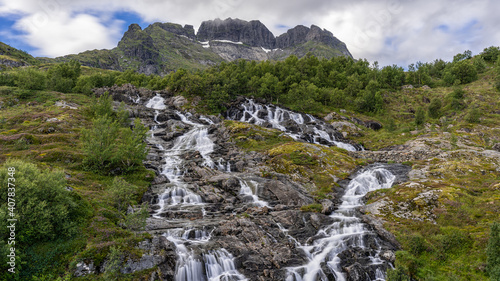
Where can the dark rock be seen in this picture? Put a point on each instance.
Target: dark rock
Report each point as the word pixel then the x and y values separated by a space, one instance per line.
pixel 252 33
pixel 373 125
pixel 496 146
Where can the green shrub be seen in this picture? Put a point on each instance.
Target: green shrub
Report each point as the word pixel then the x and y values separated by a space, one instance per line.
pixel 31 79
pixel 493 252
pixel 112 268
pixel 122 193
pixel 397 274
pixel 474 115
pixel 434 109
pixel 63 76
pixel 136 220
pixel 99 144
pixel 390 125
pixel 455 99
pixel 109 148
pixel 420 116
pixel 44 208
pixel 102 106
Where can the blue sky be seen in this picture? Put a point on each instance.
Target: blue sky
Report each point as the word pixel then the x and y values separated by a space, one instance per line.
pixel 388 31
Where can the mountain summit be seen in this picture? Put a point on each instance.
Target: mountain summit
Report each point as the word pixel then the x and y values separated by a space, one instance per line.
pixel 163 47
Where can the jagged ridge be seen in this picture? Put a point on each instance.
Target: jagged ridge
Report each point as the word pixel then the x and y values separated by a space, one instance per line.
pixel 162 47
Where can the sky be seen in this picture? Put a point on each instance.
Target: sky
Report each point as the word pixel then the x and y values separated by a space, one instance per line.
pixel 391 32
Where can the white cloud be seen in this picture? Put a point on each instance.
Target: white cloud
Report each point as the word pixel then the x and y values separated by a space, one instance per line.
pixel 390 31
pixel 66 34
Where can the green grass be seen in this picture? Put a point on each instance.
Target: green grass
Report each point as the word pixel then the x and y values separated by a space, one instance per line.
pixel 26 134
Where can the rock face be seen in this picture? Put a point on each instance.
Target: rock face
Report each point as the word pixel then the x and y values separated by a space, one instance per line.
pixel 252 33
pixel 187 30
pixel 137 45
pixel 302 34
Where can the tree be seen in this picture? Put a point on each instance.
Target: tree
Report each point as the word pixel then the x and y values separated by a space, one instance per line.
pixel 463 56
pixel 490 54
pixel 464 71
pixel 63 76
pixel 108 148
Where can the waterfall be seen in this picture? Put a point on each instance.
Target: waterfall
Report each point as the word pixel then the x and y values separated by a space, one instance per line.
pixel 193 264
pixel 346 232
pixel 246 190
pixel 276 117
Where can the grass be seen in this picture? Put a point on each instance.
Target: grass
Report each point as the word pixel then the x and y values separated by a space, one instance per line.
pixel 25 133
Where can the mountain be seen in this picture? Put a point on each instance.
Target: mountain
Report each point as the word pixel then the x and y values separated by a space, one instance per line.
pixel 163 47
pixel 12 57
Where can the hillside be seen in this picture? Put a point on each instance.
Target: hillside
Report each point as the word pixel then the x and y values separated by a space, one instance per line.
pixel 250 165
pixel 163 47
pixel 11 57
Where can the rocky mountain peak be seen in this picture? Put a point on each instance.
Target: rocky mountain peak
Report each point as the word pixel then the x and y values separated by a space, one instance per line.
pixel 252 33
pixel 174 28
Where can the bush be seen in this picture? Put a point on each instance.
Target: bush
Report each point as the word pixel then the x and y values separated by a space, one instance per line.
pixel 455 99
pixel 493 252
pixel 45 210
pixel 136 220
pixel 473 116
pixel 102 106
pixel 31 79
pixel 420 116
pixel 123 194
pixel 108 148
pixel 434 109
pixel 63 76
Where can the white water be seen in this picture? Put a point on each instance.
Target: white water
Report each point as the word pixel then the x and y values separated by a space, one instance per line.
pixel 156 102
pixel 215 265
pixel 276 116
pixel 347 230
pixel 247 190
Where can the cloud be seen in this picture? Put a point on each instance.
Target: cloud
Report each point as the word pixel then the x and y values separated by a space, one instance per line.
pixel 390 31
pixel 66 34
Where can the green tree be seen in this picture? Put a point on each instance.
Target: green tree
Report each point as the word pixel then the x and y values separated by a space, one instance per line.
pixel 490 54
pixel 464 71
pixel 99 144
pixel 131 148
pixel 63 76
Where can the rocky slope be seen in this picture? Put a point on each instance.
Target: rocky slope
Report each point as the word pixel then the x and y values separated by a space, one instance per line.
pixel 163 47
pixel 234 210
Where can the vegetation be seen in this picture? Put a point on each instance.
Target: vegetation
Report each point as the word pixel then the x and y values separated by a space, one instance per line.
pixel 93 151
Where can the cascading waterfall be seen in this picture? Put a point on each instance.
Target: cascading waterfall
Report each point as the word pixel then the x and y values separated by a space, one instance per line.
pixel 215 265
pixel 275 116
pixel 247 190
pixel 346 232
